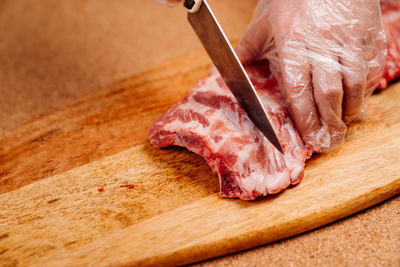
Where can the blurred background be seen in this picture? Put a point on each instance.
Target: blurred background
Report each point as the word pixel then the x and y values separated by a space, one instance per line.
pixel 54 52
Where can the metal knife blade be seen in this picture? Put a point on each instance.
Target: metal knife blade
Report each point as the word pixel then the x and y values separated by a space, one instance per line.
pixel 226 61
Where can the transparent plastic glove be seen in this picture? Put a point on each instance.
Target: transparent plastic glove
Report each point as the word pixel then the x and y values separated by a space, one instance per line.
pixel 328 56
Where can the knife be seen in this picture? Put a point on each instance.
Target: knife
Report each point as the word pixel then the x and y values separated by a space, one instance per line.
pixel 226 61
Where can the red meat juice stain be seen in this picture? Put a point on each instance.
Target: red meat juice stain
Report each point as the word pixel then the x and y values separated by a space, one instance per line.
pixel 178 178
pixel 129 186
pixel 100 189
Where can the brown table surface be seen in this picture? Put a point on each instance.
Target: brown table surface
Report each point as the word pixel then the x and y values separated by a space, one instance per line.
pixel 54 52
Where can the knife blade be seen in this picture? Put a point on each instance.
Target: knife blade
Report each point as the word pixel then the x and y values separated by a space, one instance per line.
pixel 226 61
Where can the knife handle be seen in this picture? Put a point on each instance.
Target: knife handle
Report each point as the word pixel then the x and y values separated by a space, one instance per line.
pixel 192 5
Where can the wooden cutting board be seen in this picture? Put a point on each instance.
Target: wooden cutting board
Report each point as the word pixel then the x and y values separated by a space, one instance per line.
pixel 84 186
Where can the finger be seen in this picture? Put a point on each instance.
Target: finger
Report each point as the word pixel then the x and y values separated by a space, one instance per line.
pixel 375 56
pixel 328 93
pixel 354 71
pixel 258 37
pixel 255 41
pixel 296 81
pixel 375 47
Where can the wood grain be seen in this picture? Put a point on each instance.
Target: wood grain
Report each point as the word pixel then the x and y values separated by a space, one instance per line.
pixel 212 226
pixel 66 212
pixel 96 126
pixel 55 52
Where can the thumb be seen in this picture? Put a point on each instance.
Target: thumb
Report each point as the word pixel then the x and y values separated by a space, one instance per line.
pixel 255 41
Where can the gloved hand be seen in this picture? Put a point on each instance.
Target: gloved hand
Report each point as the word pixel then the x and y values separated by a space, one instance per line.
pixel 328 56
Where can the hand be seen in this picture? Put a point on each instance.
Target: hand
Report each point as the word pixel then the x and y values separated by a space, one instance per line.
pixel 328 56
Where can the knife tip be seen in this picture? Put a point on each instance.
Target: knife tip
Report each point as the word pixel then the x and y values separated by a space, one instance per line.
pixel 278 146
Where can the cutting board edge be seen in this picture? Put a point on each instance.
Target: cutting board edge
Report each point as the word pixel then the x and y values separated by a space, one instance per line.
pixel 369 200
pixel 213 249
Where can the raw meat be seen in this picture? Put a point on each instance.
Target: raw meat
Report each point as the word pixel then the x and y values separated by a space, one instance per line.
pixel 210 122
pixel 391 20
